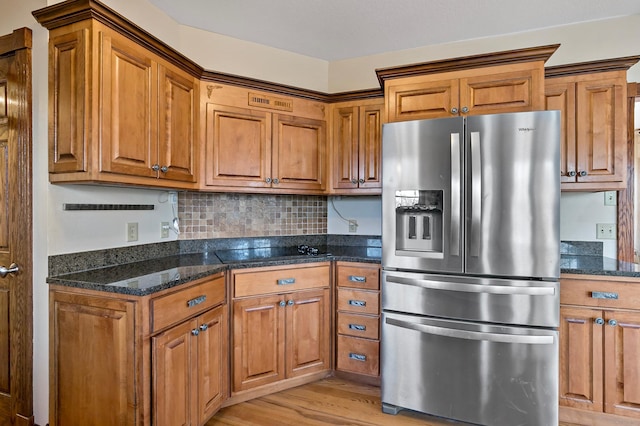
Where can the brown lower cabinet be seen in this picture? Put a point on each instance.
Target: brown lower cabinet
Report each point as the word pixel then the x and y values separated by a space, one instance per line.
pixel 118 359
pixel 599 350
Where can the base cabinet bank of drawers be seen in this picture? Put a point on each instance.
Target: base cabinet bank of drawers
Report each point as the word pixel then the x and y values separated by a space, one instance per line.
pixel 358 319
pixel 118 359
pixel 281 326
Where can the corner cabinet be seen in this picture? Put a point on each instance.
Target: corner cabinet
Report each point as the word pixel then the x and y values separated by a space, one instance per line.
pixel 599 350
pixel 160 359
pixel 592 99
pixel 118 112
pixel 280 328
pixel 509 81
pixel 356 147
pixel 281 150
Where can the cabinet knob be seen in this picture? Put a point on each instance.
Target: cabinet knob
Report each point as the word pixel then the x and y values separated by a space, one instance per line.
pixel 599 321
pixel 290 302
pixel 155 167
pixel 464 110
pixel 354 181
pixel 195 331
pixel 572 173
pixel 361 180
pixel 268 180
pixel 582 173
pixel 454 111
pixel 276 181
pixel 164 169
pixel 204 327
pixel 282 303
pixel 613 322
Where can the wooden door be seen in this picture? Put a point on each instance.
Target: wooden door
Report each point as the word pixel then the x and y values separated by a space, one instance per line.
pixel 176 123
pixel 128 107
pixel 560 94
pixel 175 360
pixel 307 331
pixel 238 147
pixel 299 153
pixel 601 130
pixel 213 350
pixel 581 373
pixel 417 100
pixel 16 322
pixel 345 147
pixel 622 363
pixel 87 332
pixel 370 146
pixel 258 341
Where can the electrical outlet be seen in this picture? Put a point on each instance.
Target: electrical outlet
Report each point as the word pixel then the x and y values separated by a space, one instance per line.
pixel 164 229
pixel 606 231
pixel 610 198
pixel 132 231
pixel 353 226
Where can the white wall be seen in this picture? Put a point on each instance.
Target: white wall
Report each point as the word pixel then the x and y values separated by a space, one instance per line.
pixel 366 210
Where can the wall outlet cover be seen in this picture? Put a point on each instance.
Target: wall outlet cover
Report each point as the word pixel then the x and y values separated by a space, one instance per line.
pixel 610 198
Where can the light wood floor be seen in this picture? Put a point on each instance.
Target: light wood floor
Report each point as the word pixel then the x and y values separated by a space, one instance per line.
pixel 330 401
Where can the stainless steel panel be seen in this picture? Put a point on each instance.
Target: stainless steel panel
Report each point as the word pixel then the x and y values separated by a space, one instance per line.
pixel 495 300
pixel 514 196
pixel 476 373
pixel 424 155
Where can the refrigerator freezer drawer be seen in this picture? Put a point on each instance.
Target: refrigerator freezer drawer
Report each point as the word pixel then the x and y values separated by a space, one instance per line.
pixel 477 373
pixel 496 300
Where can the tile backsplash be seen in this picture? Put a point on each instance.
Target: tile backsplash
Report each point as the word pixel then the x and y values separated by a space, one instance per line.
pixel 230 215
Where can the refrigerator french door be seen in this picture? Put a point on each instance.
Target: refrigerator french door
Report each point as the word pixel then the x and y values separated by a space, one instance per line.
pixel 470 256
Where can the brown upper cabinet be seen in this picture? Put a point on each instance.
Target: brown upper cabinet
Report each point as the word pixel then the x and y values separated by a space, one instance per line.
pixel 592 99
pixel 118 112
pixel 356 145
pixel 508 81
pixel 260 142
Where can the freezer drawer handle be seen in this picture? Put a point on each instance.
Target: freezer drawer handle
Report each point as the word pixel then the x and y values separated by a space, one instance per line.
pixel 357 357
pixel 357 302
pixel 474 288
pixel 357 327
pixel 604 295
pixel 357 279
pixel 473 335
pixel 286 281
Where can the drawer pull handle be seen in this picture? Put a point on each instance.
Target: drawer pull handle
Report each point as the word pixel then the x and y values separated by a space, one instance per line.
pixel 357 279
pixel 286 281
pixel 195 302
pixel 357 357
pixel 604 295
pixel 357 327
pixel 357 302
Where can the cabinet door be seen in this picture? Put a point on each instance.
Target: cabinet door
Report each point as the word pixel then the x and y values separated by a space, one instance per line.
pixel 307 332
pixel 258 341
pixel 622 363
pixel 422 100
pixel 299 153
pixel 176 124
pixel 581 384
pixel 213 349
pixel 562 96
pixel 238 147
pixel 128 108
pixel 345 147
pixel 601 130
pixel 93 372
pixel 174 359
pixel 370 146
pixel 504 92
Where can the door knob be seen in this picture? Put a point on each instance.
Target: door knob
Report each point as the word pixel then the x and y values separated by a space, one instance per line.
pixel 13 268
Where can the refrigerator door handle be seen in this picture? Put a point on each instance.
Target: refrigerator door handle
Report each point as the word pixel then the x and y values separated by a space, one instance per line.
pixel 472 335
pixel 476 195
pixel 474 288
pixel 454 243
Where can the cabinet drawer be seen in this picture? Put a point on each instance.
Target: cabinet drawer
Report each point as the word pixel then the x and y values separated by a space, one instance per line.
pixel 174 307
pixel 280 280
pixel 359 301
pixel 356 325
pixel 367 277
pixel 358 355
pixel 600 292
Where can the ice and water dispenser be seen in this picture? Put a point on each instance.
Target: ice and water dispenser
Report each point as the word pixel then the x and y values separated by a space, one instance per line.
pixel 419 221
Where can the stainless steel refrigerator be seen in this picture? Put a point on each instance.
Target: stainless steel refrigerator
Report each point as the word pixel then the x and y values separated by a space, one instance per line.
pixel 470 256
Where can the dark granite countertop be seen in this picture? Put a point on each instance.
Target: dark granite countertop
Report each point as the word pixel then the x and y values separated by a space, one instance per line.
pixel 153 275
pixel 598 265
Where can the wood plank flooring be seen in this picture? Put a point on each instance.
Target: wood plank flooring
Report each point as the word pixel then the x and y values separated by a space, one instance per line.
pixel 331 401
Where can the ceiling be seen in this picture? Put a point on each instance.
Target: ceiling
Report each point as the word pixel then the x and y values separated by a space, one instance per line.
pixel 342 29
